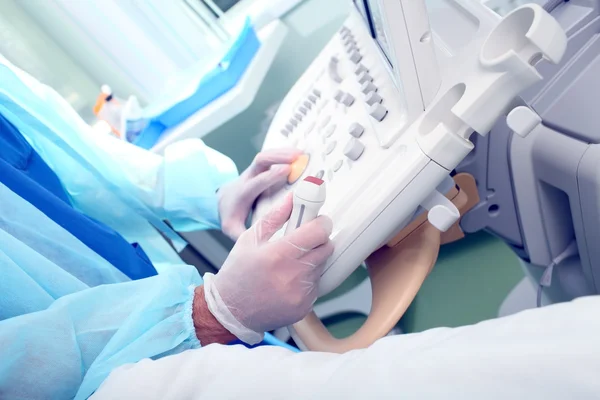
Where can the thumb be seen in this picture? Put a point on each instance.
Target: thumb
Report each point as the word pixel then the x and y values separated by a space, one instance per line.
pixel 274 220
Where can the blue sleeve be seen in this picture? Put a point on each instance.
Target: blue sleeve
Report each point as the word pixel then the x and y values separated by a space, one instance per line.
pixel 67 350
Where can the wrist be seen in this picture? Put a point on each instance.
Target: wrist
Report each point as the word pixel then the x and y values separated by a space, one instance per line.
pixel 208 329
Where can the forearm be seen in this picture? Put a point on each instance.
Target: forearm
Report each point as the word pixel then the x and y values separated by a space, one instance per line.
pixel 67 350
pixel 208 329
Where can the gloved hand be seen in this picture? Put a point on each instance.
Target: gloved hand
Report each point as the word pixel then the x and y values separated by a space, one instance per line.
pixel 269 168
pixel 265 285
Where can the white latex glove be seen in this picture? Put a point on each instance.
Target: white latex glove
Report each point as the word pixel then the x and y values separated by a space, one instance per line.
pixel 269 168
pixel 265 285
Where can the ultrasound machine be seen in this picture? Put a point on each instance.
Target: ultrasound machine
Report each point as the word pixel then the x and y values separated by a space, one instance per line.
pixel 425 120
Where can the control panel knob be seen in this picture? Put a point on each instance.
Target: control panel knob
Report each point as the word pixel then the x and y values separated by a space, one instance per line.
pixel 355 57
pixel 293 122
pixel 317 92
pixel 298 116
pixel 364 77
pixel 378 111
pixel 356 129
pixel 289 127
pixel 360 68
pixel 338 95
pixel 285 132
pixel 312 98
pixel 373 98
pixel 303 110
pixel 368 87
pixel 347 99
pixel 354 149
pixel 307 104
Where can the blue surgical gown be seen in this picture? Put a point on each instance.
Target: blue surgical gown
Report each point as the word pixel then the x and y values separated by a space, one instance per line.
pixel 127 188
pixel 60 336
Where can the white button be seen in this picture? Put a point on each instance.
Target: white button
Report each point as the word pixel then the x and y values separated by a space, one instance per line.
pixel 364 77
pixel 307 104
pixel 303 110
pixel 330 130
pixel 293 122
pixel 325 121
pixel 373 98
pixel 309 128
pixel 355 57
pixel 360 69
pixel 298 116
pixel 356 130
pixel 354 149
pixel 368 87
pixel 347 100
pixel 312 98
pixel 338 95
pixel 285 132
pixel 338 164
pixel 289 127
pixel 378 111
pixel 330 147
pixel 317 92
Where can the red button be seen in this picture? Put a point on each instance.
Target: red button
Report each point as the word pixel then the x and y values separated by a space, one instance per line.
pixel 314 180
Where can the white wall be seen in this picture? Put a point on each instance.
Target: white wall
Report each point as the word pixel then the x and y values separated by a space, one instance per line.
pixel 29 48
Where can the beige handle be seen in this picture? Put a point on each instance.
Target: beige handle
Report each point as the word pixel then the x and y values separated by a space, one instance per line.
pixel 397 272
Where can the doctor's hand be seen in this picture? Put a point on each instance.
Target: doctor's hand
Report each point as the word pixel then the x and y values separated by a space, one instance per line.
pixel 269 169
pixel 265 285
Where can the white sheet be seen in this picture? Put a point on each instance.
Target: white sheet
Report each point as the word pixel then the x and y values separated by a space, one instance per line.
pixel 548 353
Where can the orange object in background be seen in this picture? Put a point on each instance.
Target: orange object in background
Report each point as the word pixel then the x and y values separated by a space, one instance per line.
pixel 108 109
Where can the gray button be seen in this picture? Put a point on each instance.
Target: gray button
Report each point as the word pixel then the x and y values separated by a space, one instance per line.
pixel 360 69
pixel 317 92
pixel 307 104
pixel 330 130
pixel 364 77
pixel 373 98
pixel 338 95
pixel 349 42
pixel 325 121
pixel 378 111
pixel 285 132
pixel 312 98
pixel 319 174
pixel 298 116
pixel 335 60
pixel 368 87
pixel 330 146
pixel 289 127
pixel 354 149
pixel 293 122
pixel 355 57
pixel 347 100
pixel 356 130
pixel 303 110
pixel 338 164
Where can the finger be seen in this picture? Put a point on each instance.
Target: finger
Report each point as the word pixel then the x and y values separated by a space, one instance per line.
pixel 317 257
pixel 262 182
pixel 274 220
pixel 309 236
pixel 265 159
